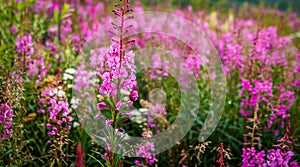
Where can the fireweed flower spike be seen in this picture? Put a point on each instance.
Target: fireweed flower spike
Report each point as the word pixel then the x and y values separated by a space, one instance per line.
pixel 120 74
pixel 116 71
pixel 6 115
pixel 279 156
pixel 59 120
pixel 24 45
pixel 24 50
pixel 58 109
pixel 145 152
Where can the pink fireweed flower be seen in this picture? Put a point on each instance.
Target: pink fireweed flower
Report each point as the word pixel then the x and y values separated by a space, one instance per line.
pixel 37 68
pixel 119 74
pixel 101 105
pixel 134 95
pixel 6 115
pixel 108 122
pixel 58 109
pixel 145 152
pixel 278 158
pixel 251 157
pixel 13 29
pixel 24 45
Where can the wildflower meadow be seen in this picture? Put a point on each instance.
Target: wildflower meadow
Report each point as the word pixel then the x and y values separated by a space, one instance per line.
pixel 149 83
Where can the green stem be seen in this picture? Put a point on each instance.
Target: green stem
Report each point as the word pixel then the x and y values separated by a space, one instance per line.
pixel 254 125
pixel 59 22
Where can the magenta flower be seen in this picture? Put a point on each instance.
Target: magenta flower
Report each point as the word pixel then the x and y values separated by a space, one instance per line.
pixel 278 158
pixel 108 122
pixel 117 75
pixel 134 95
pixel 6 115
pixel 251 157
pixel 58 110
pixel 24 45
pixel 101 105
pixel 145 152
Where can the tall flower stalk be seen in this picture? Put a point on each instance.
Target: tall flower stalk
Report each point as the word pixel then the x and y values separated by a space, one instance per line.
pixel 6 114
pixel 118 83
pixel 59 120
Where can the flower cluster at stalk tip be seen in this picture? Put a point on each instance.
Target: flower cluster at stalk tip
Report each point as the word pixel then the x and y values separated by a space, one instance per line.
pixel 25 45
pixel 57 108
pixel 119 75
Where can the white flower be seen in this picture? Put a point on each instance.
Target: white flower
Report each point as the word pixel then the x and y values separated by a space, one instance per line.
pixel 124 92
pixel 139 119
pixel 70 70
pixel 75 124
pixel 61 93
pixel 135 112
pixel 67 76
pixel 126 98
pixel 142 110
pixel 74 103
pixel 51 93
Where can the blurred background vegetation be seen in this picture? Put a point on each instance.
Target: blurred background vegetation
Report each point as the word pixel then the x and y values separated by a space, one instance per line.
pixel 224 5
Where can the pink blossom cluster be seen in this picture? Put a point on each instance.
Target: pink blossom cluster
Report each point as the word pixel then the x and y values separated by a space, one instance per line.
pixel 6 121
pixel 37 68
pixel 160 67
pixel 275 157
pixel 256 94
pixel 297 70
pixel 82 79
pixel 265 49
pixel 66 29
pixel 24 45
pixel 145 152
pixel 156 112
pixel 58 109
pixel 118 74
pixel 294 21
pixel 46 6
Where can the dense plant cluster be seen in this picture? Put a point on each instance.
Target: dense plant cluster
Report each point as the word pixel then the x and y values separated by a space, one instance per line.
pixel 42 64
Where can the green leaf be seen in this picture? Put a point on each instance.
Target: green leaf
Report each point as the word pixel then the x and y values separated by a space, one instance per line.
pixel 120 119
pixel 231 137
pixel 107 113
pixel 56 16
pixel 96 160
pixel 65 9
pixel 106 160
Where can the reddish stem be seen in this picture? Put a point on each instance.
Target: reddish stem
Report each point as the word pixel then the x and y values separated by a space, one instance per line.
pixel 221 161
pixel 121 33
